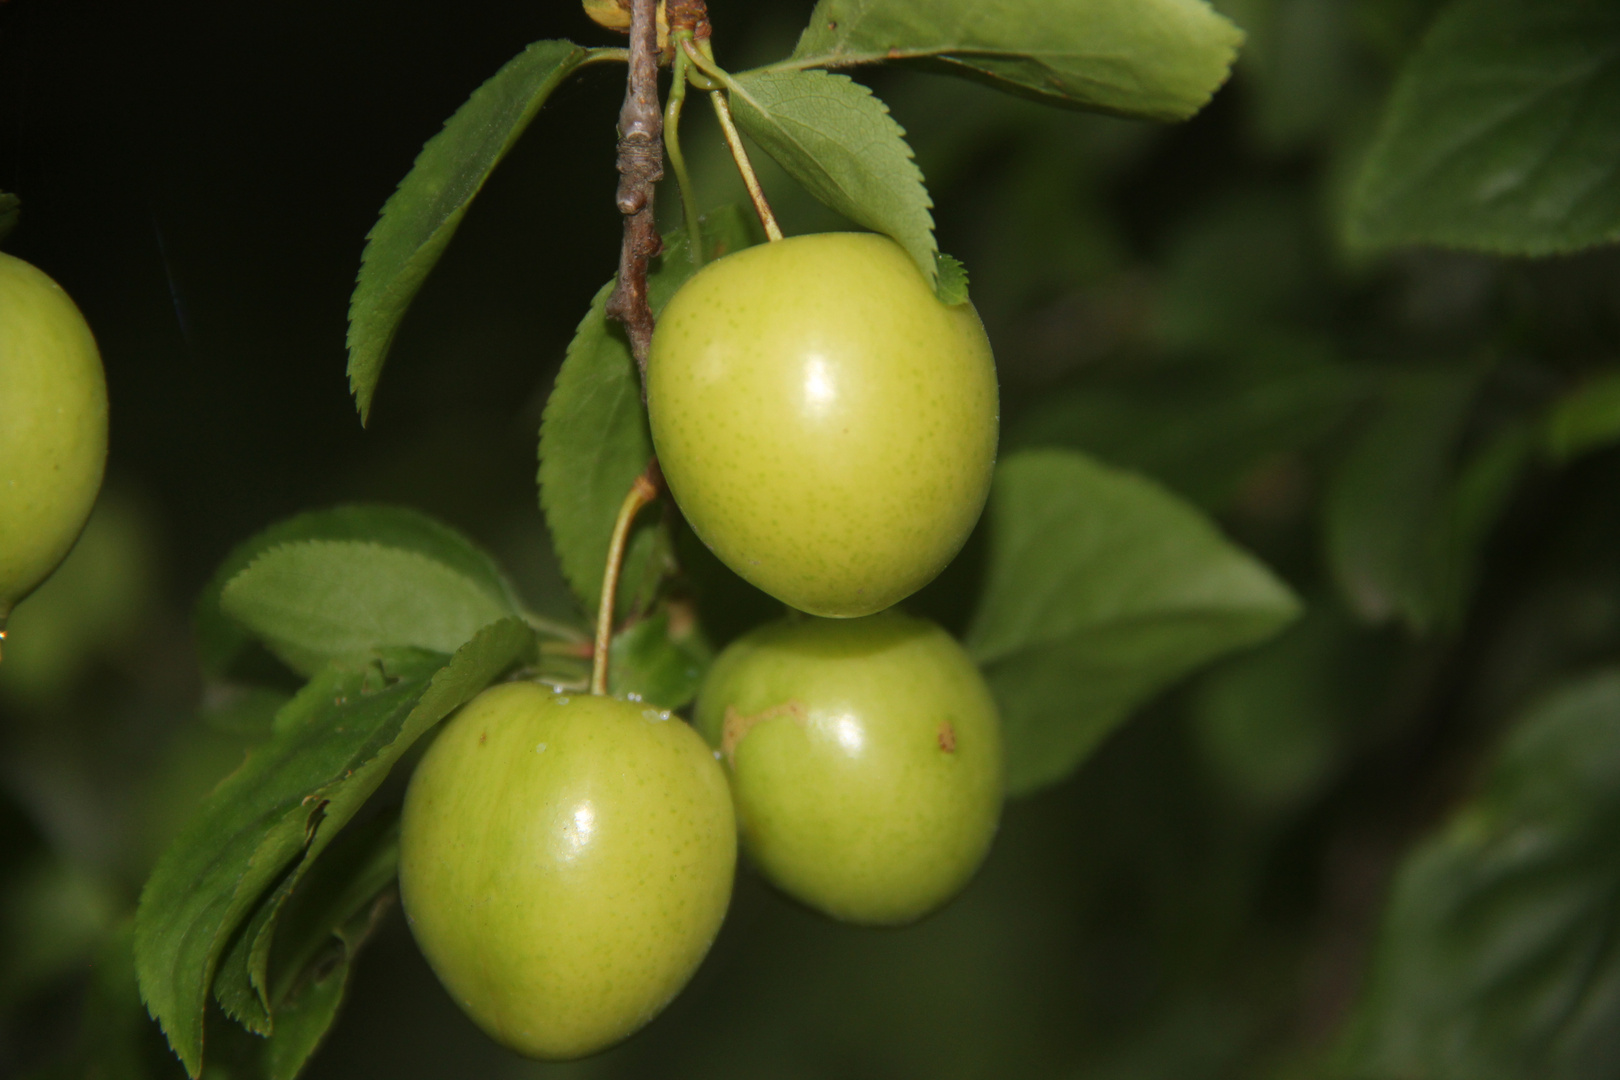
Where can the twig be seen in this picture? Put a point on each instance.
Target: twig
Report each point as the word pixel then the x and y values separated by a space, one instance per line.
pixel 642 492
pixel 641 166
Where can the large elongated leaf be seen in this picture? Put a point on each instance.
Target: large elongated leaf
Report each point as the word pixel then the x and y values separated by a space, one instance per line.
pixel 1159 59
pixel 332 746
pixel 1102 589
pixel 835 137
pixel 1499 135
pixel 1498 957
pixel 594 439
pixel 221 639
pixel 317 600
pixel 423 214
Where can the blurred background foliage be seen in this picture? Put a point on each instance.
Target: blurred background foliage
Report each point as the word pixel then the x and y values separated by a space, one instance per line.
pixel 1382 845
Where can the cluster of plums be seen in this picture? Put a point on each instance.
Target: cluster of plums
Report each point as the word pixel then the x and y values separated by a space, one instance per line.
pixel 828 428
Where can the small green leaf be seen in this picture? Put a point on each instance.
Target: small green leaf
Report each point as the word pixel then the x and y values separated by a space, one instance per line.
pixel 1496 959
pixel 423 214
pixel 316 600
pixel 1385 508
pixel 649 561
pixel 10 212
pixel 660 660
pixel 1101 590
pixel 952 283
pixel 836 137
pixel 221 641
pixel 594 439
pixel 1586 420
pixel 1156 59
pixel 332 746
pixel 1499 135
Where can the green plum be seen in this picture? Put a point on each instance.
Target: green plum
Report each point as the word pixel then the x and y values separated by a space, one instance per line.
pixel 565 863
pixel 53 427
pixel 865 759
pixel 825 423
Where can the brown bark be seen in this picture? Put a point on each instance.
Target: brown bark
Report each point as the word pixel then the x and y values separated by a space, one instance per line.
pixel 641 166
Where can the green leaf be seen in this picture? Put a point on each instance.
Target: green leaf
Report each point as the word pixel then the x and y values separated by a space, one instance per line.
pixel 594 439
pixel 952 284
pixel 1496 959
pixel 221 641
pixel 298 920
pixel 10 211
pixel 1386 507
pixel 1586 420
pixel 317 600
pixel 1499 135
pixel 1101 590
pixel 332 746
pixel 835 137
pixel 660 660
pixel 314 924
pixel 1157 59
pixel 423 214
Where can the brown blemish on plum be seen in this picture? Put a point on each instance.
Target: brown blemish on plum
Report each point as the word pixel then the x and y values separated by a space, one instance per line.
pixel 736 725
pixel 947 737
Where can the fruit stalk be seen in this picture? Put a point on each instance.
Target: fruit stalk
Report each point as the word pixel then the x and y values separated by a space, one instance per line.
pixel 641 166
pixel 722 112
pixel 643 491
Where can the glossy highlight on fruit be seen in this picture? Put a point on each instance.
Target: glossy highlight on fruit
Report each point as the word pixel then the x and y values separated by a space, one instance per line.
pixel 53 427
pixel 866 761
pixel 565 863
pixel 827 426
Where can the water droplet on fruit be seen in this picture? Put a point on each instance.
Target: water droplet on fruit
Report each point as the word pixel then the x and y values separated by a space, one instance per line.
pixel 540 749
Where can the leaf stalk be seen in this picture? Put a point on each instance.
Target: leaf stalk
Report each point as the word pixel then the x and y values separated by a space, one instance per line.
pixel 677 159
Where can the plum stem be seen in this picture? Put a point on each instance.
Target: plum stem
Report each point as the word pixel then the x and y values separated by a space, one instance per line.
pixel 722 111
pixel 641 166
pixel 643 491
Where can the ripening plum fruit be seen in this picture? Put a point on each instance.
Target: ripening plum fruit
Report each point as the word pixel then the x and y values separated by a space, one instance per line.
pixel 826 424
